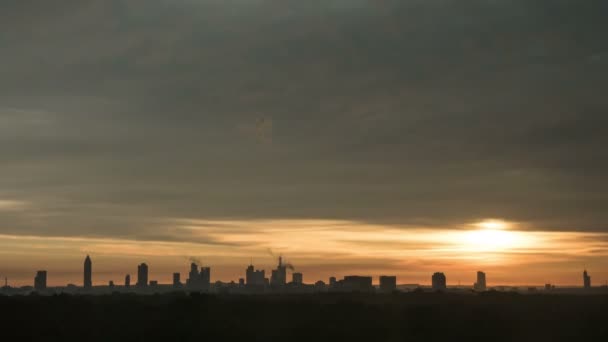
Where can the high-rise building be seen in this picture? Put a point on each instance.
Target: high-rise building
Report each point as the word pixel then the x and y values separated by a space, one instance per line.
pixel 40 281
pixel 439 281
pixel 279 276
pixel 128 280
pixel 298 278
pixel 142 275
pixel 586 280
pixel 176 280
pixel 254 277
pixel 249 274
pixel 480 285
pixel 193 276
pixel 199 281
pixel 206 278
pixel 388 283
pixel 88 279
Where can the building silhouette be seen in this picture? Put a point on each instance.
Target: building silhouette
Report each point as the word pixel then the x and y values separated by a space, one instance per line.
pixel 279 276
pixel 388 283
pixel 206 278
pixel 298 278
pixel 40 281
pixel 332 282
pixel 586 280
pixel 199 281
pixel 142 275
pixel 254 277
pixel 480 285
pixel 439 281
pixel 176 280
pixel 357 284
pixel 88 272
pixel 128 280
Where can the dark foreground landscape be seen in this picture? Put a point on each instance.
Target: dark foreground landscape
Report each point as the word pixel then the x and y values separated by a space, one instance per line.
pixel 335 317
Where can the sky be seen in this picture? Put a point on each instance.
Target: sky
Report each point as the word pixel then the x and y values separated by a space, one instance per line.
pixel 351 136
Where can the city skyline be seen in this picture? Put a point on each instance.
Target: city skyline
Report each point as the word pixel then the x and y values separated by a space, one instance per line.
pixel 200 280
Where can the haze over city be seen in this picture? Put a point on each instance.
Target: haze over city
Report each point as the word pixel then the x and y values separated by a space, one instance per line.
pixel 350 136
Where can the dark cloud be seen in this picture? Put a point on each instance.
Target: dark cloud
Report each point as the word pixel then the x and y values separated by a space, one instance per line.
pixel 118 115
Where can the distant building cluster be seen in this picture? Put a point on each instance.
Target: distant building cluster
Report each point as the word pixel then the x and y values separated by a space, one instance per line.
pixel 255 281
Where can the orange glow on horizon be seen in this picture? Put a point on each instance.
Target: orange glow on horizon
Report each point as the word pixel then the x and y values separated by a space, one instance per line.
pixel 319 248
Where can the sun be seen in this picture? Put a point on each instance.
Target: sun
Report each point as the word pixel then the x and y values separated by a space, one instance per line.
pixel 492 224
pixel 493 236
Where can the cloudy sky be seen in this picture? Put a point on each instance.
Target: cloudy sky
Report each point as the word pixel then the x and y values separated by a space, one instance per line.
pixel 352 136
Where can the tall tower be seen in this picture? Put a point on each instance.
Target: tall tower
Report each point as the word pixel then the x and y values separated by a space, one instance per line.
pixel 249 274
pixel 142 275
pixel 88 281
pixel 586 280
pixel 279 276
pixel 480 285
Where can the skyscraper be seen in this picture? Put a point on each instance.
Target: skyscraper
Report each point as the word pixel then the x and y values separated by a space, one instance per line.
pixel 40 281
pixel 480 285
pixel 586 280
pixel 128 280
pixel 206 278
pixel 439 281
pixel 88 281
pixel 142 275
pixel 249 275
pixel 199 280
pixel 254 277
pixel 278 277
pixel 193 276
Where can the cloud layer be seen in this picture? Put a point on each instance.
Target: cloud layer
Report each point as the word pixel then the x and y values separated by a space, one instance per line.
pixel 119 117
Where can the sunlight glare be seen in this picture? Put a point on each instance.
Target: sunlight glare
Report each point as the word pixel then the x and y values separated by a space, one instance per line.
pixel 492 224
pixel 494 236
